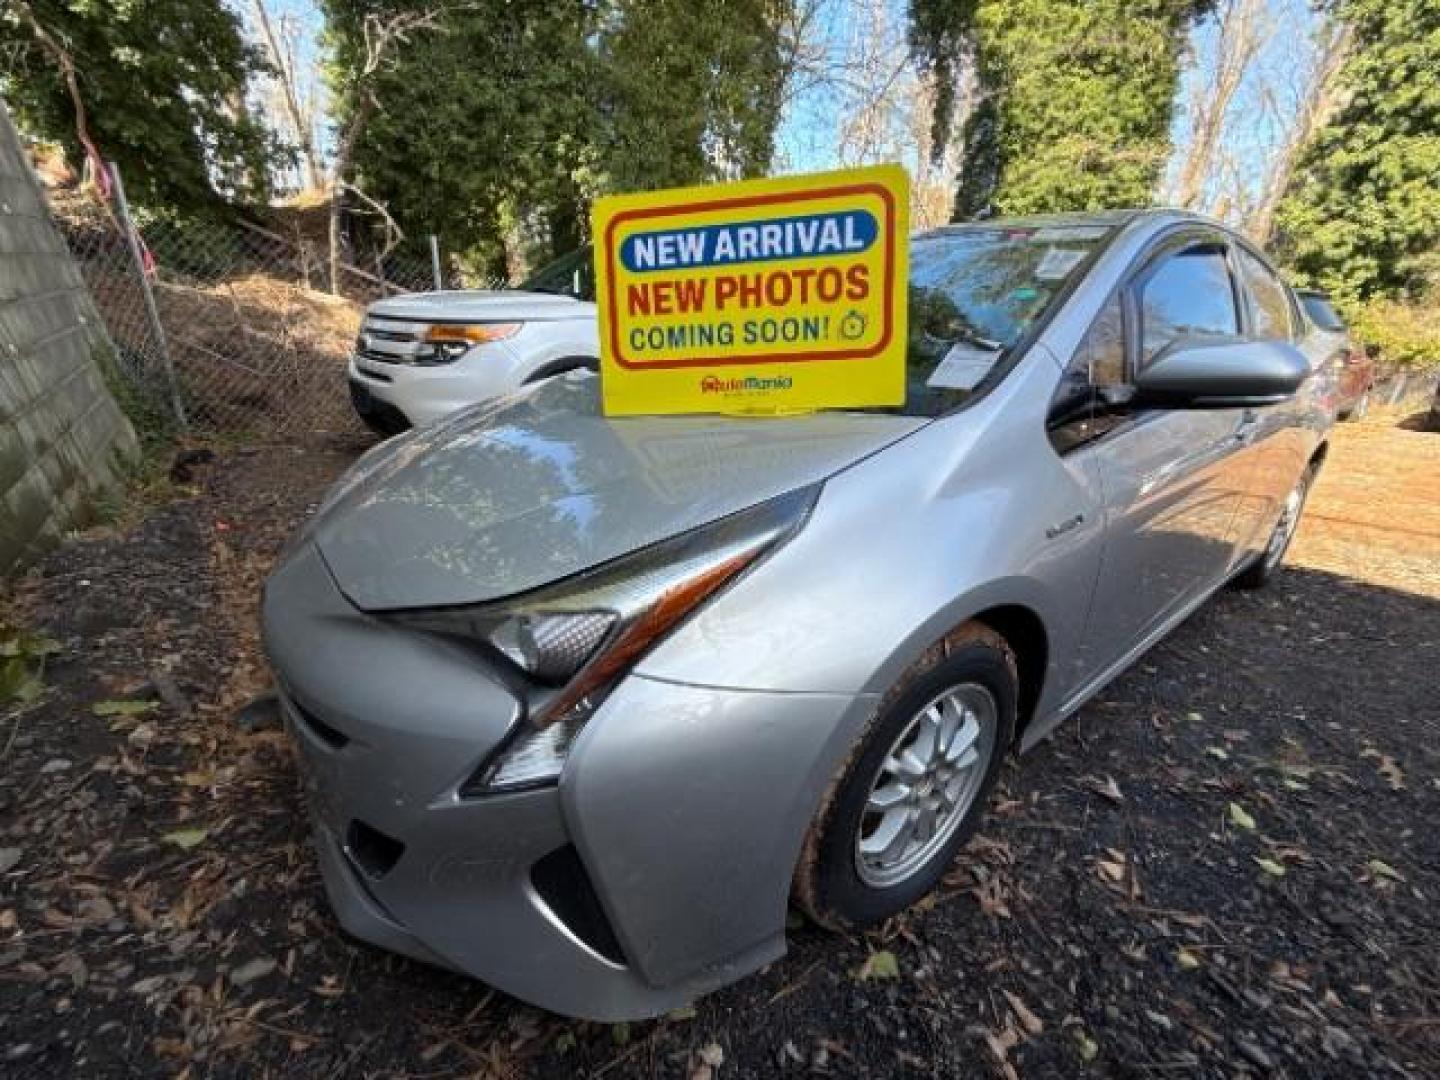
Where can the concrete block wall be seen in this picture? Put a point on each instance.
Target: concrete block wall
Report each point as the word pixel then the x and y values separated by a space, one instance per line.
pixel 63 438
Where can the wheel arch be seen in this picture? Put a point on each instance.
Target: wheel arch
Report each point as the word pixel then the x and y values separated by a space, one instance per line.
pixel 1024 631
pixel 560 365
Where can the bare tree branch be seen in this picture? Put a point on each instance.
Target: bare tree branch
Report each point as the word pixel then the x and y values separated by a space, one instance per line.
pixel 1320 97
pixel 1243 33
pixel 282 59
pixel 393 233
pixel 382 34
pixel 68 72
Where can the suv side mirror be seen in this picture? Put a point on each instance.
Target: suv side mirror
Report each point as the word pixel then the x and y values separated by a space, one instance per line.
pixel 1222 376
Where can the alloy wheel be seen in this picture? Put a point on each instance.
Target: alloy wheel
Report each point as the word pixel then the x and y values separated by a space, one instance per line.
pixel 924 788
pixel 1288 523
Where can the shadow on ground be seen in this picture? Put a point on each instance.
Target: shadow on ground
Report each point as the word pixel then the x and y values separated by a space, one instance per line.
pixel 1253 892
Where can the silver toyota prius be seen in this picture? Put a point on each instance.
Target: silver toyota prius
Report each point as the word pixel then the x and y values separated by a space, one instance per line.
pixel 585 703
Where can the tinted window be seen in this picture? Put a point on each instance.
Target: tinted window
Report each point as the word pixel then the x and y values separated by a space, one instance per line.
pixel 1189 296
pixel 1322 313
pixel 569 275
pixel 1100 359
pixel 1269 307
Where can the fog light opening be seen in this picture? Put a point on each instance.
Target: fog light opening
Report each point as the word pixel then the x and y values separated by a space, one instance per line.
pixel 561 883
pixel 371 850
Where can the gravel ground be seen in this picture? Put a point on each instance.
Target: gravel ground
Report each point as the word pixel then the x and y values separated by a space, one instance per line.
pixel 1227 864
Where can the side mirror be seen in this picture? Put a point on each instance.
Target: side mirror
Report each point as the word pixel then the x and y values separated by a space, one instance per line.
pixel 1221 376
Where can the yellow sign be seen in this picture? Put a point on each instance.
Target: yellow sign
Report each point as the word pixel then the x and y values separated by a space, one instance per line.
pixel 765 296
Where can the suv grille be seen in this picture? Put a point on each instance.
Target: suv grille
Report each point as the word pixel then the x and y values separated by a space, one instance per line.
pixel 392 341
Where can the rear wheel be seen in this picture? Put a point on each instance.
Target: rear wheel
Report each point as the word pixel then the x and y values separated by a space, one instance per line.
pixel 1259 573
pixel 916 786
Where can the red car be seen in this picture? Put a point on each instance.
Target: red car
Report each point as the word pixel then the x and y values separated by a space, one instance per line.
pixel 1355 369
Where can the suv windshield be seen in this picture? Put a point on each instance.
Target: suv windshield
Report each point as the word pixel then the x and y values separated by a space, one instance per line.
pixel 572 274
pixel 975 292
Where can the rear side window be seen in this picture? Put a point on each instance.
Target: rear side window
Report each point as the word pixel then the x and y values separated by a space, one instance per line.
pixel 1270 311
pixel 1189 296
pixel 1322 313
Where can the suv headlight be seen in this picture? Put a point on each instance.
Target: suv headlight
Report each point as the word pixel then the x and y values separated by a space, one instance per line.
pixel 569 644
pixel 444 343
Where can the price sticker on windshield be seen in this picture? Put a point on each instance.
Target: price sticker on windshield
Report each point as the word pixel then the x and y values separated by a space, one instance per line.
pixel 765 296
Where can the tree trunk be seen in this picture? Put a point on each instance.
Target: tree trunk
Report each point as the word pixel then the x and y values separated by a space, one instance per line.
pixel 1240 40
pixel 298 120
pixel 344 152
pixel 1322 96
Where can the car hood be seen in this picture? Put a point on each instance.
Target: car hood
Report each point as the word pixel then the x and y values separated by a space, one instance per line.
pixel 483 305
pixel 509 496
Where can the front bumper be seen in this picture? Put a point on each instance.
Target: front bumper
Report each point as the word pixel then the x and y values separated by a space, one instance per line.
pixel 426 393
pixel 657 870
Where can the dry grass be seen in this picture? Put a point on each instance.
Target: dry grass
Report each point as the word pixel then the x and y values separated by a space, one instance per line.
pixel 1375 513
pixel 255 350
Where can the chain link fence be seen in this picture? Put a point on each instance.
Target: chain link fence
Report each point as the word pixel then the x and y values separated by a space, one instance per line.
pixel 229 328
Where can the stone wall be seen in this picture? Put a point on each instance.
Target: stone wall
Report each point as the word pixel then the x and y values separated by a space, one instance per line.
pixel 62 436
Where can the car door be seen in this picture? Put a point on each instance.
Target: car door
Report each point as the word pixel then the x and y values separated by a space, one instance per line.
pixel 1169 476
pixel 1271 447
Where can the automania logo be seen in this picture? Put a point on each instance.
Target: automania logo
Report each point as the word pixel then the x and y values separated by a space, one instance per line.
pixel 712 384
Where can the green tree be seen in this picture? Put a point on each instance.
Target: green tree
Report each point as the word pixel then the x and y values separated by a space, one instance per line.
pixel 482 117
pixel 505 120
pixel 1362 217
pixel 1075 97
pixel 161 85
pixel 693 91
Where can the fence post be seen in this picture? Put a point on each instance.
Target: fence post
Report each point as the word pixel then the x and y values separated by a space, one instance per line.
pixel 435 262
pixel 152 313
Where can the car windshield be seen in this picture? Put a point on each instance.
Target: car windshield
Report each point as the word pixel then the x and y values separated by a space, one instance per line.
pixel 975 292
pixel 572 274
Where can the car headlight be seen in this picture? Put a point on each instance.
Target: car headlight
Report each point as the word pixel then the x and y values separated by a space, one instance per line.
pixel 567 645
pixel 447 342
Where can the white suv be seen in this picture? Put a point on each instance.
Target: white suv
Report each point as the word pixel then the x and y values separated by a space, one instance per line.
pixel 423 355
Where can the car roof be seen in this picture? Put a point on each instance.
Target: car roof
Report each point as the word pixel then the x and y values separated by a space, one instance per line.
pixel 1155 215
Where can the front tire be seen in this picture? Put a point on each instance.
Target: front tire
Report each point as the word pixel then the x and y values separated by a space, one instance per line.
pixel 915 787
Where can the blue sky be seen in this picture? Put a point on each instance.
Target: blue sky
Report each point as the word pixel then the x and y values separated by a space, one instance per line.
pixel 1265 105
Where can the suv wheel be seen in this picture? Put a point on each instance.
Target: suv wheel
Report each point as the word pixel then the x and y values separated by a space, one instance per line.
pixel 915 787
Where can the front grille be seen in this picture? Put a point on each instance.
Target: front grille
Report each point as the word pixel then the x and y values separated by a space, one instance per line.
pixel 370 373
pixel 389 341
